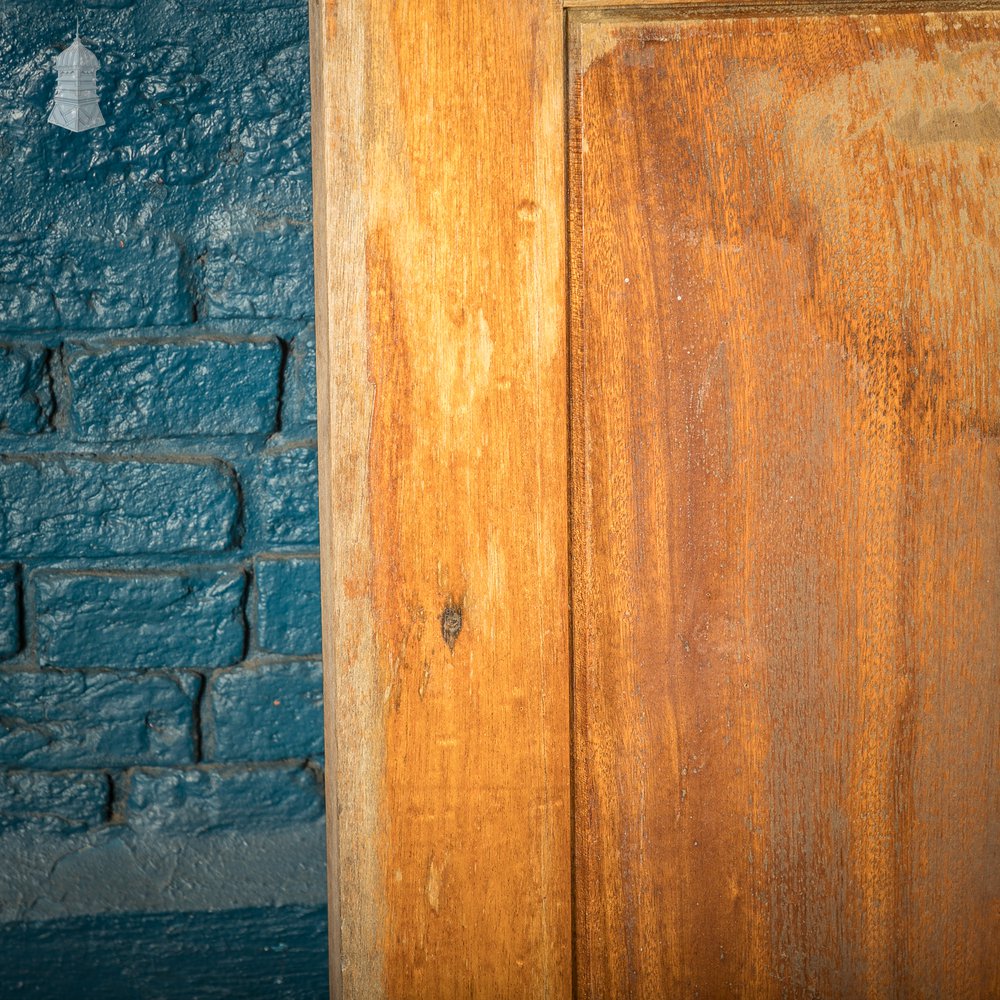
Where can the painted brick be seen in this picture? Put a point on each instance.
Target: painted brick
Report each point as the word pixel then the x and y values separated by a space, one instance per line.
pixel 269 712
pixel 26 401
pixel 152 620
pixel 173 390
pixel 288 606
pixel 283 505
pixel 263 952
pixel 81 282
pixel 40 800
pixel 193 202
pixel 199 801
pixel 300 382
pixel 10 612
pixel 80 507
pixel 251 277
pixel 79 719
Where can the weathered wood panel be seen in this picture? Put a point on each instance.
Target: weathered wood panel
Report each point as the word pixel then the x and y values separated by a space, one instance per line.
pixel 442 377
pixel 786 505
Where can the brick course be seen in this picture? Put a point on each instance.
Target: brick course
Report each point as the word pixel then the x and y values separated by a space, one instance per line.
pixel 300 393
pixel 161 389
pixel 60 801
pixel 283 507
pixel 288 606
pixel 93 719
pixel 150 620
pixel 26 402
pixel 269 712
pixel 69 506
pixel 10 612
pixel 202 801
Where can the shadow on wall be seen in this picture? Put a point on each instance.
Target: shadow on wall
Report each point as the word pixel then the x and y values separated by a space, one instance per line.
pixel 161 812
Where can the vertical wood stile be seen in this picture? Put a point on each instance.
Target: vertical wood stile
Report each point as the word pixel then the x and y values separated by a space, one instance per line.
pixel 440 276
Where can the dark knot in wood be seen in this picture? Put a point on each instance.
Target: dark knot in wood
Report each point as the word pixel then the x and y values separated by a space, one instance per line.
pixel 451 624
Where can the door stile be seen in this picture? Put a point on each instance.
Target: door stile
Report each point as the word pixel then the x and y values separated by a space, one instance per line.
pixel 439 179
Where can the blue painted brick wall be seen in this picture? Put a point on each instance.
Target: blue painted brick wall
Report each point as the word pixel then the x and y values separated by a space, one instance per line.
pixel 288 619
pixel 67 800
pixel 96 719
pixel 159 607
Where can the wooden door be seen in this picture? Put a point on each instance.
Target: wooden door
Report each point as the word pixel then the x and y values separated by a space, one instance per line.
pixel 662 631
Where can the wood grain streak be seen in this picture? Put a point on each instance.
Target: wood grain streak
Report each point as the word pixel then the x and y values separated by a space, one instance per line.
pixel 785 392
pixel 441 312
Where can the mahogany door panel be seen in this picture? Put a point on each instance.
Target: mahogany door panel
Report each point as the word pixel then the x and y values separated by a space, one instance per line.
pixel 785 475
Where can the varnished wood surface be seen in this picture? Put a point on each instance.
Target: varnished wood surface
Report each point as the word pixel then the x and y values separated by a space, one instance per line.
pixel 785 393
pixel 644 10
pixel 612 5
pixel 439 130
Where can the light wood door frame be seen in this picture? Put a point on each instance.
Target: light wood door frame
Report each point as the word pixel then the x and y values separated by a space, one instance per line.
pixel 439 154
pixel 441 340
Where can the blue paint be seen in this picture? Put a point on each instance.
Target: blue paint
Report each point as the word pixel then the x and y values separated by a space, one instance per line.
pixel 149 390
pixel 95 719
pixel 62 506
pixel 300 396
pixel 157 449
pixel 41 801
pixel 267 712
pixel 26 402
pixel 10 612
pixel 195 197
pixel 252 954
pixel 197 802
pixel 170 619
pixel 284 511
pixel 288 606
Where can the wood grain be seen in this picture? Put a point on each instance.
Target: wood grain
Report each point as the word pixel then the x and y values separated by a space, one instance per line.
pixel 785 396
pixel 643 10
pixel 695 5
pixel 440 187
